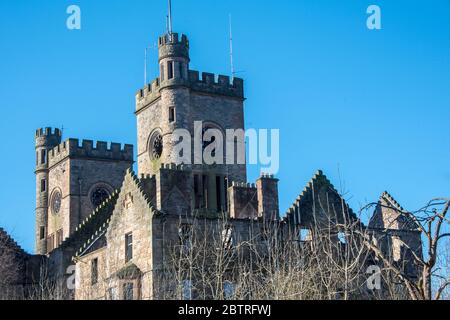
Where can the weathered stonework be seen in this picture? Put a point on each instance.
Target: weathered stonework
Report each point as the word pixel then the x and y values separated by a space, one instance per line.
pixel 148 213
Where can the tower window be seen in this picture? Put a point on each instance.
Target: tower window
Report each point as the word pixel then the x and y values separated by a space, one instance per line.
pixel 171 114
pixel 219 194
pixel 170 70
pixel 43 156
pixel 42 233
pixel 94 271
pixel 43 185
pixel 128 247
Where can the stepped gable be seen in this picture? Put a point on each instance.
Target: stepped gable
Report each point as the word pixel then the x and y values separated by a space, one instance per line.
pixel 97 237
pixel 8 241
pixel 327 205
pixel 389 214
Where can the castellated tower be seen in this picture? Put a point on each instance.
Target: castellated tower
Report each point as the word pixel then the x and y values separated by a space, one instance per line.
pixel 178 98
pixel 45 140
pixel 72 180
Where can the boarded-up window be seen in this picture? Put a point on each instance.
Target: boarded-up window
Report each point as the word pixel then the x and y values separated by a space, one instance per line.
pixel 50 243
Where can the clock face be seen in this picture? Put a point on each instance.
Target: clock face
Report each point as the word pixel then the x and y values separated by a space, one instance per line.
pixel 56 202
pixel 157 146
pixel 98 196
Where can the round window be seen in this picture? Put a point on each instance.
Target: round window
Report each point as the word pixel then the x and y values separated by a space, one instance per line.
pixel 156 146
pixel 56 202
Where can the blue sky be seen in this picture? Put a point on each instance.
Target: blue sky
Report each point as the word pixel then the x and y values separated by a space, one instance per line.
pixel 370 108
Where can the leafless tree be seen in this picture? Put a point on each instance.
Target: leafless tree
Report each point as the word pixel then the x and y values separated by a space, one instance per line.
pixel 432 222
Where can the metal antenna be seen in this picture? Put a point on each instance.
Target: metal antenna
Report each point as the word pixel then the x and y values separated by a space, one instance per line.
pixel 169 18
pixel 145 66
pixel 231 50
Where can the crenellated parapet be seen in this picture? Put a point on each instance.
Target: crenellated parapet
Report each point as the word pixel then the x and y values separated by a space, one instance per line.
pixel 221 86
pixel 209 83
pixel 173 45
pixel 100 150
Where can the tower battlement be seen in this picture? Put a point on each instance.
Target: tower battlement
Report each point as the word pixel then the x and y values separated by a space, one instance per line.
pixel 221 86
pixel 72 148
pixel 209 83
pixel 45 132
pixel 172 45
pixel 47 137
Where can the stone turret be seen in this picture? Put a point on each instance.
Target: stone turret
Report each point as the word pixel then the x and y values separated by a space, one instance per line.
pixel 45 140
pixel 173 59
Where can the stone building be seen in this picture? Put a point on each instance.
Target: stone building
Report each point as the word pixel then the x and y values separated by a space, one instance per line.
pixel 117 227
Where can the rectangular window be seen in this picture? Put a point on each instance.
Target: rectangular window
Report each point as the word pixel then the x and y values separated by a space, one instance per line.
pixel 43 185
pixel 304 235
pixel 170 70
pixel 205 192
pixel 42 233
pixel 43 156
pixel 50 243
pixel 94 271
pixel 171 114
pixel 196 192
pixel 225 186
pixel 128 291
pixel 59 237
pixel 219 194
pixel 128 247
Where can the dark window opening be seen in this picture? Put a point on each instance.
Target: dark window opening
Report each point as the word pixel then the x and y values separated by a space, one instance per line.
pixel 94 271
pixel 128 289
pixel 37 158
pixel 128 247
pixel 196 192
pixel 171 114
pixel 225 186
pixel 42 233
pixel 219 193
pixel 185 235
pixel 170 70
pixel 205 191
pixel 43 156
pixel 43 185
